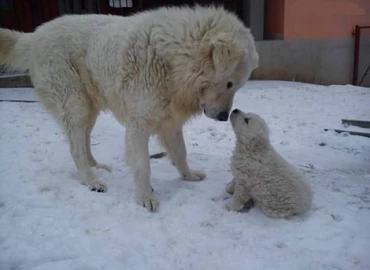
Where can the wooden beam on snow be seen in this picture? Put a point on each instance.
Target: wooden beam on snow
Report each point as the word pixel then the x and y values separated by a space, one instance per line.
pixel 358 123
pixel 364 134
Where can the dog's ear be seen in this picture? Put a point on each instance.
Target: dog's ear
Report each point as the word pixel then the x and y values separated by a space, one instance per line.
pixel 226 53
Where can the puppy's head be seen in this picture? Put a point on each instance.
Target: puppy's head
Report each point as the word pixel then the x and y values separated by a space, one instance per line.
pixel 249 128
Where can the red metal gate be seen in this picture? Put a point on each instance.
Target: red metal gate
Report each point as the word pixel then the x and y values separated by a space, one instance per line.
pixel 26 15
pixel 361 62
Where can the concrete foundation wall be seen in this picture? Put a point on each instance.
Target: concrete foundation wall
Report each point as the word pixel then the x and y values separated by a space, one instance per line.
pixel 324 61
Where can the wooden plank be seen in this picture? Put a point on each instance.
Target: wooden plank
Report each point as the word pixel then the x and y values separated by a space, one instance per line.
pixel 158 155
pixel 364 134
pixel 19 101
pixel 358 123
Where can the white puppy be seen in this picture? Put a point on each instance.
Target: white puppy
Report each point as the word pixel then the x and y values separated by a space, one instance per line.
pixel 261 175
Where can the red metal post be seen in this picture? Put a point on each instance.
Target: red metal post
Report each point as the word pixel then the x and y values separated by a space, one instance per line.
pixel 356 56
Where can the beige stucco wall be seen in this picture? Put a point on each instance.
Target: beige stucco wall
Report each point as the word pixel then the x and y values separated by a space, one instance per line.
pixel 315 19
pixel 317 45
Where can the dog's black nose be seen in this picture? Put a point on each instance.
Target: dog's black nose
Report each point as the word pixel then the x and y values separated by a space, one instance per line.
pixel 236 111
pixel 223 116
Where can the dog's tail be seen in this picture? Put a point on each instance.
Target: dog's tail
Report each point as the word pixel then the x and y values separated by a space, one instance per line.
pixel 14 49
pixel 158 155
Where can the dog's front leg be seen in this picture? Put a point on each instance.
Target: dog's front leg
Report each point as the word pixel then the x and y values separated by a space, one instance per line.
pixel 175 146
pixel 137 156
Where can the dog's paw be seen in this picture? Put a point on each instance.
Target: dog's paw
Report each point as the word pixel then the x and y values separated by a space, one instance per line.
pixel 230 188
pixel 148 201
pixel 194 175
pixel 96 185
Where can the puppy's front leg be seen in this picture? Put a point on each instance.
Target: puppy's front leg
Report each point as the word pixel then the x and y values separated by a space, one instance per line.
pixel 137 155
pixel 174 144
pixel 242 200
pixel 230 187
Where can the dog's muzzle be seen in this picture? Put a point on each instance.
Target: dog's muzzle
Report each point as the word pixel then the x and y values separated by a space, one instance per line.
pixel 223 116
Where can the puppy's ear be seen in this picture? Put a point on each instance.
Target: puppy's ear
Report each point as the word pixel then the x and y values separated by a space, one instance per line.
pixel 226 53
pixel 260 141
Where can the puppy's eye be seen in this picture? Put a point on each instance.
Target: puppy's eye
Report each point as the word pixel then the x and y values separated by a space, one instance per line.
pixel 229 85
pixel 246 120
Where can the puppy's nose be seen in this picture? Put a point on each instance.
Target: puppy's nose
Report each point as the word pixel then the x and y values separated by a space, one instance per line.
pixel 223 116
pixel 235 111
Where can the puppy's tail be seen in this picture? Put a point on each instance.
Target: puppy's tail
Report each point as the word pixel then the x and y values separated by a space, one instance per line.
pixel 14 49
pixel 158 155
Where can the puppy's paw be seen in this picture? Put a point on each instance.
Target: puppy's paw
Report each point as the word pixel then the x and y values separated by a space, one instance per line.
pixel 148 200
pixel 239 206
pixel 230 187
pixel 194 175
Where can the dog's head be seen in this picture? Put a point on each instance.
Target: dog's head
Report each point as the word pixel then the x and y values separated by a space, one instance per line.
pixel 215 65
pixel 249 128
pixel 233 60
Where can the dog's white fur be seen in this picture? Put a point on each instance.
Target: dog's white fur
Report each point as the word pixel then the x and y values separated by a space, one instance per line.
pixel 261 174
pixel 154 70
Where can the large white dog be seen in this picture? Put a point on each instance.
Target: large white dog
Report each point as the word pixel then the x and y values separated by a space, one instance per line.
pixel 154 70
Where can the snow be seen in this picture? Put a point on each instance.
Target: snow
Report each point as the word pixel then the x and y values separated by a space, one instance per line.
pixel 17 94
pixel 49 221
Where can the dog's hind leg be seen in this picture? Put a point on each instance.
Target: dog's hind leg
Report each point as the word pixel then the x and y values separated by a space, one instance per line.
pixel 77 138
pixel 72 109
pixel 90 157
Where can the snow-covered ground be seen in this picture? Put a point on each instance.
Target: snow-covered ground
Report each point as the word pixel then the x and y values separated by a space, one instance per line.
pixel 49 221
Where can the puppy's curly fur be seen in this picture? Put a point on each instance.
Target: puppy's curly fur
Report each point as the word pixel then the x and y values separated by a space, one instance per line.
pixel 261 174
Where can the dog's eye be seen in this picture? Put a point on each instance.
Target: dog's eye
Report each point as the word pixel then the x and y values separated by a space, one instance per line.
pixel 246 120
pixel 229 85
pixel 202 90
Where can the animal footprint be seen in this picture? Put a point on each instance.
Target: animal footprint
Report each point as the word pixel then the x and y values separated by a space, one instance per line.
pixel 336 218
